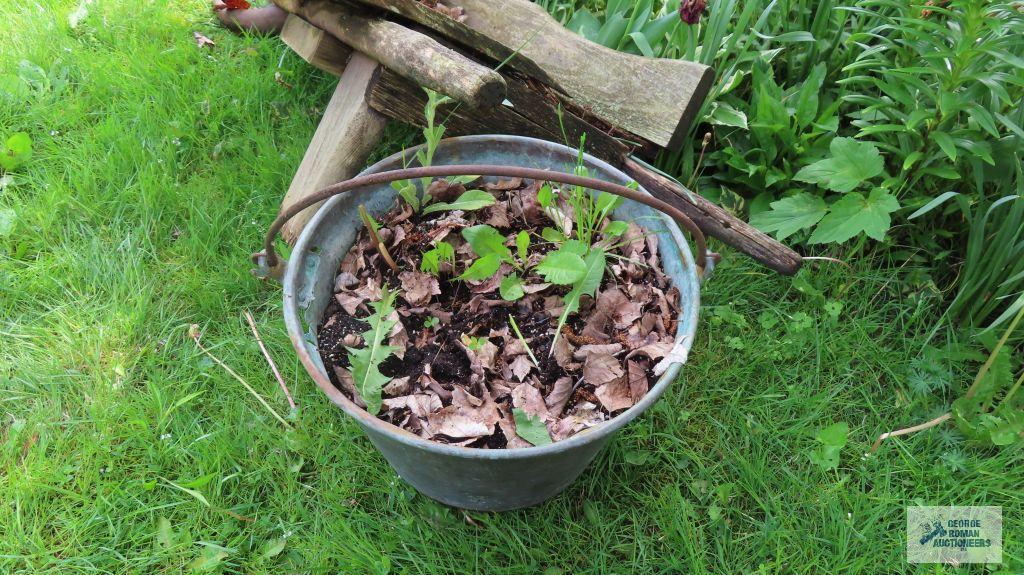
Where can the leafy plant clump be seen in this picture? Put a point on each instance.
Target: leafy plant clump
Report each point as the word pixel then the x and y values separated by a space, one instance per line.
pixel 365 361
pixel 519 322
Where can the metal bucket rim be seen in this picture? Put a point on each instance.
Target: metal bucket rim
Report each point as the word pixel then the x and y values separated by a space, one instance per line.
pixel 293 322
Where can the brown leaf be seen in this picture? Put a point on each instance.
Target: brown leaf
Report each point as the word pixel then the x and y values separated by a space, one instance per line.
pixel 554 305
pixel 497 215
pixel 601 368
pixel 420 405
pixel 426 381
pixel 398 233
pixel 354 262
pixel 453 423
pixel 443 315
pixel 534 288
pixel 504 184
pixel 559 395
pixel 344 280
pixel 348 384
pixel 521 367
pixel 640 293
pixel 529 399
pixel 400 216
pixel 651 322
pixel 479 304
pixel 525 205
pixel 487 355
pixel 398 337
pixel 638 383
pixel 584 416
pixel 500 388
pixel 655 350
pixel 563 353
pixel 586 351
pixel 612 306
pixel 490 284
pixel 634 238
pixel 443 226
pixel 614 395
pixel 476 367
pixel 202 41
pixel 417 287
pixel 370 291
pixel 513 347
pixel 444 191
pixel 349 302
pixel 464 419
pixel 652 250
pixel 396 387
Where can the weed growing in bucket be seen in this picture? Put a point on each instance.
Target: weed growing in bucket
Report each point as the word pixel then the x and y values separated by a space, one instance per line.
pixel 525 313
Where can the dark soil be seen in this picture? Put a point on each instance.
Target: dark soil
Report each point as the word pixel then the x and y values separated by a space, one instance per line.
pixel 441 347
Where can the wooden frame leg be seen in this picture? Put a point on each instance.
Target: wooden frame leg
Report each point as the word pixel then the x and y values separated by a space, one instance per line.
pixel 348 132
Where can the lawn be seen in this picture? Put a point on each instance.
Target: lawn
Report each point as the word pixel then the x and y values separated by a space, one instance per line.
pixel 157 166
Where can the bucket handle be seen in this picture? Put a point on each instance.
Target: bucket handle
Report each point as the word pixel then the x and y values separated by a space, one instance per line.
pixel 270 264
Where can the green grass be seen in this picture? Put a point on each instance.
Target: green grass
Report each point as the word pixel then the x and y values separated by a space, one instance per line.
pixel 156 170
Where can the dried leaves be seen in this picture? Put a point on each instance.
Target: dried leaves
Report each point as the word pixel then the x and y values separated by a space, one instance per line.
pixel 449 364
pixel 202 41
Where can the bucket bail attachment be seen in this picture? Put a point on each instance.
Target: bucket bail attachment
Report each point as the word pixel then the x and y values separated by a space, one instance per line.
pixel 269 264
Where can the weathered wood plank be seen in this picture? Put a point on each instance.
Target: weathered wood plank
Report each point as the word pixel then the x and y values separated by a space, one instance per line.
pixel 315 46
pixel 655 99
pixel 412 54
pixel 348 132
pixel 530 115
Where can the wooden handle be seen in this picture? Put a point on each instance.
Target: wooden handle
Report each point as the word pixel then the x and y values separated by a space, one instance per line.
pixel 715 221
pixel 411 54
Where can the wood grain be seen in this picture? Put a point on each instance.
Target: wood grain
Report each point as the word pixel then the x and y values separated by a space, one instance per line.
pixel 408 52
pixel 315 46
pixel 654 98
pixel 348 132
pixel 530 115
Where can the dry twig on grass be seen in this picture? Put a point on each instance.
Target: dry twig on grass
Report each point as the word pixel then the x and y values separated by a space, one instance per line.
pixel 270 360
pixel 194 333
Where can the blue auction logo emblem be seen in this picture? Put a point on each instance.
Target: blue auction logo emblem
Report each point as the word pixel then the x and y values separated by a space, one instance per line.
pixel 954 535
pixel 931 531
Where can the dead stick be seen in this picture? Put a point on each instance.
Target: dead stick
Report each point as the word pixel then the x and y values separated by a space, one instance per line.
pixel 376 239
pixel 387 257
pixel 194 332
pixel 908 430
pixel 270 360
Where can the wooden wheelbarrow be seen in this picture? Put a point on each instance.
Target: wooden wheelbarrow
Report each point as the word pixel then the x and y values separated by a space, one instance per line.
pixel 509 68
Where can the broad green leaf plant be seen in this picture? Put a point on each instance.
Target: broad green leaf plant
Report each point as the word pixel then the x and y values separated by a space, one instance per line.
pixel 850 165
pixel 365 361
